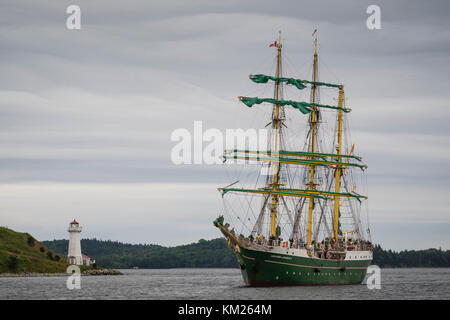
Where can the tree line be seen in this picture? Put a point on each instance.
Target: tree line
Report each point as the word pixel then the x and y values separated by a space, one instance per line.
pixel 216 254
pixel 429 258
pixel 113 254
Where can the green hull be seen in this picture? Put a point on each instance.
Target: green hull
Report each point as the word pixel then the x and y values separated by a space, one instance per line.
pixel 261 268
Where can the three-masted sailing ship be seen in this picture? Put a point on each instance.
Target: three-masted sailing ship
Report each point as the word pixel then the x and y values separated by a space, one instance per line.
pixel 315 250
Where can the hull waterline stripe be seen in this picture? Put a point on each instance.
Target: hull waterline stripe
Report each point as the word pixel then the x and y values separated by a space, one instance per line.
pixel 319 267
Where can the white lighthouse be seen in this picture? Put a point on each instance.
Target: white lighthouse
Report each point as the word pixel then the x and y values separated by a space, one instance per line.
pixel 74 253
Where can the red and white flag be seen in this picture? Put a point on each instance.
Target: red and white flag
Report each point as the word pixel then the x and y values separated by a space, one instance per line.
pixel 273 44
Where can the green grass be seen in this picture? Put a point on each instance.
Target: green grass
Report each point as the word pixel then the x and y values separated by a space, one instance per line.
pixel 20 252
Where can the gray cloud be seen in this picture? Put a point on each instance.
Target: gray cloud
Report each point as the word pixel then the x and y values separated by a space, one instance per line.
pixel 94 109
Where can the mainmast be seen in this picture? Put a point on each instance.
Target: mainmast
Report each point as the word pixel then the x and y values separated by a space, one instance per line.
pixel 313 123
pixel 276 123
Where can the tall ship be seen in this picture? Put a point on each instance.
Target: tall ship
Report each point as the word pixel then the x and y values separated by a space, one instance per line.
pixel 308 226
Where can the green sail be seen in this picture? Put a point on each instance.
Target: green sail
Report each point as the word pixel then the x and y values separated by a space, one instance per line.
pixel 303 107
pixel 299 83
pixel 299 153
pixel 262 78
pixel 299 161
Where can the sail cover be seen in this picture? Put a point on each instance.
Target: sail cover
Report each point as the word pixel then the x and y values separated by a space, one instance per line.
pixel 262 78
pixel 299 83
pixel 303 107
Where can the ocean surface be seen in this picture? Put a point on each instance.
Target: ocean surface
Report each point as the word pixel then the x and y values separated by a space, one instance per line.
pixel 220 284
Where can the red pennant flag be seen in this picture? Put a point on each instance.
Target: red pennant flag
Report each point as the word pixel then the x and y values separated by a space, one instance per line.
pixel 351 150
pixel 273 44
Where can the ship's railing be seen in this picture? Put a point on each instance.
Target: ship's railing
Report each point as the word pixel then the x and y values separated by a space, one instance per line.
pixel 342 245
pixel 272 243
pixel 356 245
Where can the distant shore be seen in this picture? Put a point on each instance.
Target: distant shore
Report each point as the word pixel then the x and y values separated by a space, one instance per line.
pixel 92 272
pixel 215 253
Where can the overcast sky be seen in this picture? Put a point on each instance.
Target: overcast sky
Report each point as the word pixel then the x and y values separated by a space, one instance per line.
pixel 86 115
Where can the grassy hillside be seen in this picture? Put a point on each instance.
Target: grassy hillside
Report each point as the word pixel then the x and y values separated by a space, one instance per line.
pixel 20 252
pixel 113 254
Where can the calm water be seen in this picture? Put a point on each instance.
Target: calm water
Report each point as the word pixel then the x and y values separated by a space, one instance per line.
pixel 222 284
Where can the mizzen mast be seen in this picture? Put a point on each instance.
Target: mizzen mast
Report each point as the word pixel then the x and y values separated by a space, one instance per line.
pixel 338 173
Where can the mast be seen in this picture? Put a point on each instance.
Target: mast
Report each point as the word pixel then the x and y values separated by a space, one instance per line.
pixel 338 172
pixel 276 155
pixel 313 123
pixel 276 122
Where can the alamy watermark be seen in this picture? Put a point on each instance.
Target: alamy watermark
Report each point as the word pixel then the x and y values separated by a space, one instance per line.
pixel 73 22
pixel 374 20
pixel 74 280
pixel 208 146
pixel 374 279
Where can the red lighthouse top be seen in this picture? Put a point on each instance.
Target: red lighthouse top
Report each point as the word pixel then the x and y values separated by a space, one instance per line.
pixel 74 222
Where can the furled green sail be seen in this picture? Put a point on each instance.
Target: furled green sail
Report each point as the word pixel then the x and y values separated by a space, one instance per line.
pixel 299 83
pixel 303 107
pixel 296 153
pixel 296 192
pixel 297 161
pixel 262 78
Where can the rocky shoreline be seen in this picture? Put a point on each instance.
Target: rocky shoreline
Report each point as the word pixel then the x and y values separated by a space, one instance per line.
pixel 92 272
pixel 102 272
